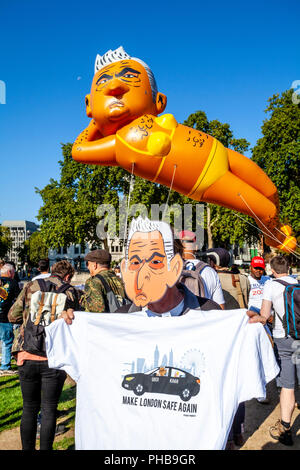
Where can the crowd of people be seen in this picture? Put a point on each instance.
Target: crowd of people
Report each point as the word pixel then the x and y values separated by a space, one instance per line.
pixel 210 283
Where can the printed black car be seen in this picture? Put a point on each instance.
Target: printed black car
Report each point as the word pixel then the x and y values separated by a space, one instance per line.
pixel 168 380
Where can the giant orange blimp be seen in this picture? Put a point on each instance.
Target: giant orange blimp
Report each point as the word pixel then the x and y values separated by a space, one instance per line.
pixel 125 130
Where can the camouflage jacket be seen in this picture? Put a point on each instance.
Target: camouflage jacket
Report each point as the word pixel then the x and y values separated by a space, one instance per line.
pixel 19 311
pixel 94 299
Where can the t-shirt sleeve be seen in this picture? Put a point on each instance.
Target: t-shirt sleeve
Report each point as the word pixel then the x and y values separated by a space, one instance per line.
pixel 257 363
pixel 213 285
pixel 218 293
pixel 64 346
pixel 267 292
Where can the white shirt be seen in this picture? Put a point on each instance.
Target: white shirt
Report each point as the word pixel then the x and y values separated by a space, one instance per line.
pixel 212 284
pixel 256 291
pixel 177 310
pixel 273 291
pixel 111 355
pixel 41 276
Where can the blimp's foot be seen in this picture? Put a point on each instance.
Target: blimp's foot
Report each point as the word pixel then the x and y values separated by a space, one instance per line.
pixel 282 239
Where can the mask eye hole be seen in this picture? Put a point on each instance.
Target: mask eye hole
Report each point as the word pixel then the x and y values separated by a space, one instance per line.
pixel 135 264
pixel 156 263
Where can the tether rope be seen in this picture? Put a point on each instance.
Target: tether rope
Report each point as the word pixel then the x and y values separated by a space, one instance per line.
pixel 131 185
pixel 170 189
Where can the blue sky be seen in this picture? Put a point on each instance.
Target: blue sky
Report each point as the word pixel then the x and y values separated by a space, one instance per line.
pixel 225 58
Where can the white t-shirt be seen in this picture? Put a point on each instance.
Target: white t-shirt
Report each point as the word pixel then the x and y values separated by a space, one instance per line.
pixel 256 291
pixel 273 291
pixel 212 284
pixel 122 400
pixel 41 276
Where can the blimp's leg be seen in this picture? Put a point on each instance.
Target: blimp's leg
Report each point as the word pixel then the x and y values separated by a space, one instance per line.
pixel 252 174
pixel 248 171
pixel 227 192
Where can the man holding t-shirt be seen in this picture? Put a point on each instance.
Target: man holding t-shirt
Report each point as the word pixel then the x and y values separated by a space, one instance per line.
pixel 213 359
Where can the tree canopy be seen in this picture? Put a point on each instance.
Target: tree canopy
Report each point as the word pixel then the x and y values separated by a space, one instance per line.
pixel 68 214
pixel 5 241
pixel 33 250
pixel 277 153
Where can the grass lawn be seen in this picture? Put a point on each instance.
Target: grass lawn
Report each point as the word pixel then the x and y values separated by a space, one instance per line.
pixel 11 406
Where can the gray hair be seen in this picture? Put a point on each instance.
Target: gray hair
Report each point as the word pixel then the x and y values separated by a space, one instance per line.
pixel 7 269
pixel 119 54
pixel 145 226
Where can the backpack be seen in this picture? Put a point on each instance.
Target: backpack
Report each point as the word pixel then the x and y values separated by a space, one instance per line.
pixel 235 289
pixel 46 305
pixel 192 279
pixel 112 302
pixel 291 318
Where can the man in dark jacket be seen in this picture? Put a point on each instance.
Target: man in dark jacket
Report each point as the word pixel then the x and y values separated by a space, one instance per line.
pixel 9 290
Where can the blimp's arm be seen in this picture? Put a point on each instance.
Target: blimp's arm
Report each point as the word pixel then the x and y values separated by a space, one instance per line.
pixel 91 148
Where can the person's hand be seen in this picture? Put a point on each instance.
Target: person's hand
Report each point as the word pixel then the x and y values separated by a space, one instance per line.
pixel 255 318
pixel 68 316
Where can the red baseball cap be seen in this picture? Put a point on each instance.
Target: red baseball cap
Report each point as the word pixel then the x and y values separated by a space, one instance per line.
pixel 187 234
pixel 258 262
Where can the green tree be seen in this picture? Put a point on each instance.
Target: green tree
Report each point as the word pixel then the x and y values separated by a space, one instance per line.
pixel 23 253
pixel 5 241
pixel 68 214
pixel 277 153
pixel 33 249
pixel 37 248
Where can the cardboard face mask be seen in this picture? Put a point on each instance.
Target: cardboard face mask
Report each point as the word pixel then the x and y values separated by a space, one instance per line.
pixel 125 130
pixel 148 271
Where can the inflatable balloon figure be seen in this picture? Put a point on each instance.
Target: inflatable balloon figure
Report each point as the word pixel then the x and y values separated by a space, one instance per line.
pixel 125 130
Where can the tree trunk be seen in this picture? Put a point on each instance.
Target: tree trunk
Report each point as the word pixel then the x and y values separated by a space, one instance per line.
pixel 261 245
pixel 209 232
